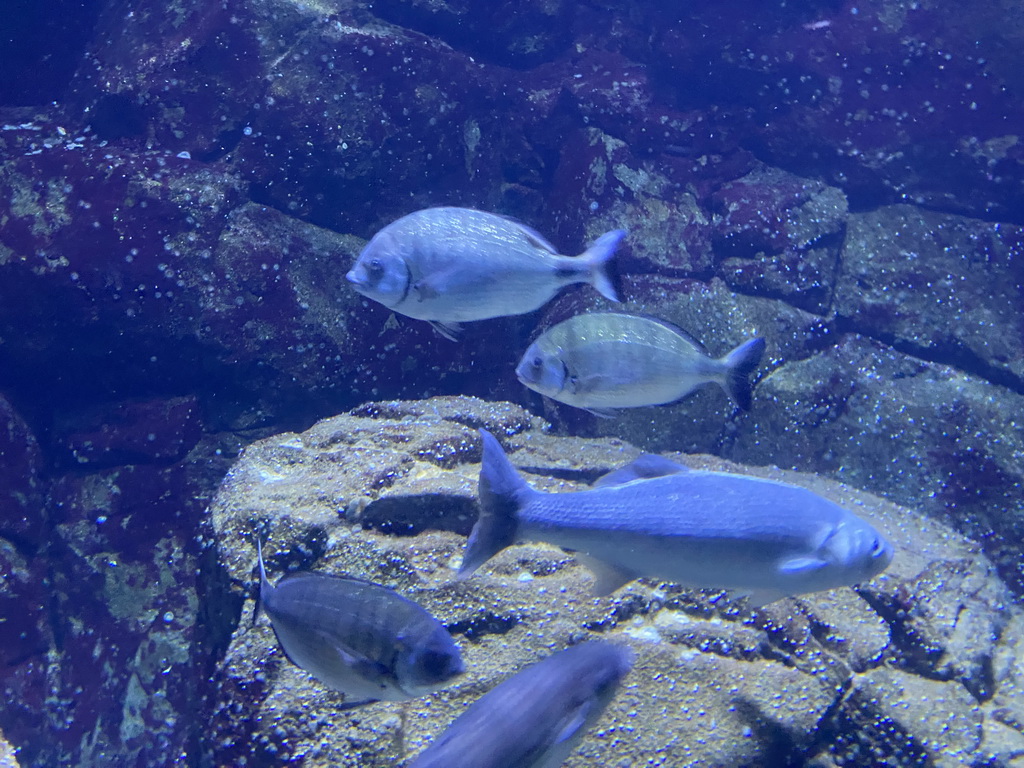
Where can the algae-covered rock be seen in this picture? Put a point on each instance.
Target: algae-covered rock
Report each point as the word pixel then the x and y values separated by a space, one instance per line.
pixel 387 492
pixel 945 287
pixel 8 756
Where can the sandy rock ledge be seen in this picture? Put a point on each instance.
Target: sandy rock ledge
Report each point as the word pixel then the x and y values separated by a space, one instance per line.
pixel 918 667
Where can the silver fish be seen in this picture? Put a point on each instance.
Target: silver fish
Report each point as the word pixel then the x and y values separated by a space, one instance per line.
pixel 358 637
pixel 536 717
pixel 661 520
pixel 455 265
pixel 607 360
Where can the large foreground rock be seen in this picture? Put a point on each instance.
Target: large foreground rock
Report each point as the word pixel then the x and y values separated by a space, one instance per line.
pixel 913 668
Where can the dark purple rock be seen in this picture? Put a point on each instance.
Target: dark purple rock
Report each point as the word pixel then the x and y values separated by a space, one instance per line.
pixel 41 50
pixel 944 287
pixel 364 124
pixel 25 632
pixel 128 671
pixel 25 642
pixel 518 34
pixel 899 101
pixel 779 235
pixel 21 484
pixel 154 431
pixel 179 76
pixel 887 101
pixel 92 287
pixel 600 185
pixel 917 432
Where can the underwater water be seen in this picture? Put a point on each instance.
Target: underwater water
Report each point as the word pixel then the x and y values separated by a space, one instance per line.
pixel 218 328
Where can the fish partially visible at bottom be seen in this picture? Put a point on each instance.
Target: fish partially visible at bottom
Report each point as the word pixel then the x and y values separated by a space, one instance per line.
pixel 537 717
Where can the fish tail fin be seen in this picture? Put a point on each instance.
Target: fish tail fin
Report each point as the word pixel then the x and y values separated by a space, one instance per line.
pixel 597 257
pixel 502 491
pixel 739 365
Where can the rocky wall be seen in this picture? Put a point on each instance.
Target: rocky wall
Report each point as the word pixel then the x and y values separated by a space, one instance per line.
pixel 184 184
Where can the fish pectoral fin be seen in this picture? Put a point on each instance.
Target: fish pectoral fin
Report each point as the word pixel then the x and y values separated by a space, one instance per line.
pixel 595 382
pixel 448 330
pixel 433 285
pixel 801 566
pixel 364 667
pixel 644 467
pixel 572 723
pixel 607 576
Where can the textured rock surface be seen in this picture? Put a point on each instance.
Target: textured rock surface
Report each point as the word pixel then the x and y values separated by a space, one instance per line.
pixel 8 756
pixel 942 287
pixel 25 633
pixel 183 184
pixel 386 493
pixel 926 435
pixel 104 654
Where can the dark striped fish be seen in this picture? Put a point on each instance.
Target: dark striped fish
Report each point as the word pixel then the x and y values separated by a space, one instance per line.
pixel 535 718
pixel 358 637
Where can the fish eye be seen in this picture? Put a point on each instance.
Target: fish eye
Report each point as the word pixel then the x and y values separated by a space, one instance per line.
pixel 537 362
pixel 375 267
pixel 877 547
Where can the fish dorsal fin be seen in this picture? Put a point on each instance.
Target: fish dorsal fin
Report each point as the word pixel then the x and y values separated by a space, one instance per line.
pixel 331 576
pixel 607 577
pixel 533 237
pixel 667 324
pixel 265 585
pixel 644 467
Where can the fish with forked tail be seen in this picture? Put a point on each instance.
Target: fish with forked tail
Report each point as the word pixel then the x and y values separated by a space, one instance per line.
pixel 358 637
pixel 658 519
pixel 455 265
pixel 603 361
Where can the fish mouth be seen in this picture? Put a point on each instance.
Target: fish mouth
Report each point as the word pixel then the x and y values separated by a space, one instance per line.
pixel 521 376
pixel 353 278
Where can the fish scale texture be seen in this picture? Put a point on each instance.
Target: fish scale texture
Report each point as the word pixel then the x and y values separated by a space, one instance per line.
pixel 370 610
pixel 691 504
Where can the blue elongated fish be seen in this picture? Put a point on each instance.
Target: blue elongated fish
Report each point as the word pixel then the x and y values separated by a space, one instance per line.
pixel 602 361
pixel 661 520
pixel 358 637
pixel 454 265
pixel 535 718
